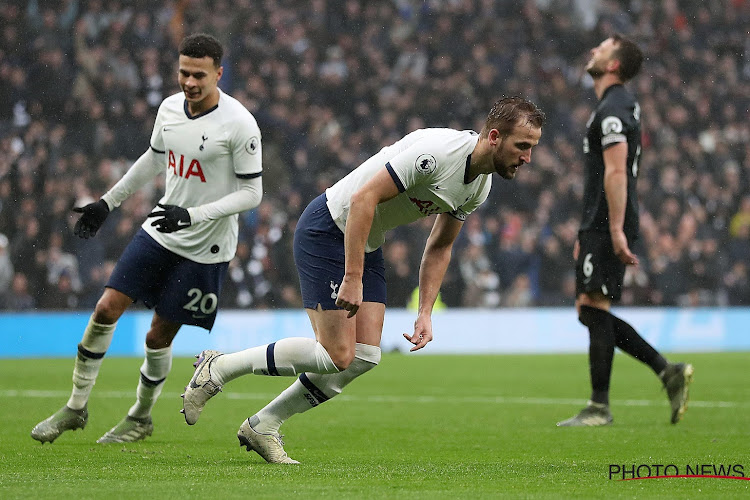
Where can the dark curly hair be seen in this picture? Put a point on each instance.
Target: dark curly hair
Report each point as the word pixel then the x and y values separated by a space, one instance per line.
pixel 202 45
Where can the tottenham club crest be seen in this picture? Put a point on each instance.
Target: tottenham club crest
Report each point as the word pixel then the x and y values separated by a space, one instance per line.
pixel 425 164
pixel 252 145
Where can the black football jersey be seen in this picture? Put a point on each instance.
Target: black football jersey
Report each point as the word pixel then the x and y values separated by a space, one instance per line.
pixel 616 119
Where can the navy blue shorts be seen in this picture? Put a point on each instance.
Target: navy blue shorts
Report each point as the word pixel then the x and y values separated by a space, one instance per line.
pixel 319 255
pixel 180 289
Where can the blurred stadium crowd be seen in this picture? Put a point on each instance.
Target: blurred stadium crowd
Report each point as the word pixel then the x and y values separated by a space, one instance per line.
pixel 331 82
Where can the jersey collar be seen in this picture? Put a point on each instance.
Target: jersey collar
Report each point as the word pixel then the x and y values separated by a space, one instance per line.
pixel 193 117
pixel 466 170
pixel 611 87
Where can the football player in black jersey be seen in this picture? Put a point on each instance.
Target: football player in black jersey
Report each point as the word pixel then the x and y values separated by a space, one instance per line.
pixel 612 148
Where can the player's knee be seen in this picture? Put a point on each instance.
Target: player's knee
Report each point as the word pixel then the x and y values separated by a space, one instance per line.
pixel 341 355
pixel 110 306
pixel 342 362
pixel 585 314
pixel 107 311
pixel 589 315
pixel 156 340
pixel 162 333
pixel 587 306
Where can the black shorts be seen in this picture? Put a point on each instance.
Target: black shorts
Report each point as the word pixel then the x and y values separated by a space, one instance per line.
pixel 598 269
pixel 319 255
pixel 180 289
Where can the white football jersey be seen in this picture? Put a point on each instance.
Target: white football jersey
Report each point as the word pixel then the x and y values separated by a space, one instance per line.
pixel 429 167
pixel 204 156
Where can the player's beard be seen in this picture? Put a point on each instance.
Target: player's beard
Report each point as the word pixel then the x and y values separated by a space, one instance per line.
pixel 594 70
pixel 507 171
pixel 510 172
pixel 503 169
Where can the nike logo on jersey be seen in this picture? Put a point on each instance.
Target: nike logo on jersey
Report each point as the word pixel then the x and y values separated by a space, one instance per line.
pixel 165 129
pixel 183 223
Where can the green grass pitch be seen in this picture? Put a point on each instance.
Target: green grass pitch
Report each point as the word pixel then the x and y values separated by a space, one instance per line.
pixel 422 427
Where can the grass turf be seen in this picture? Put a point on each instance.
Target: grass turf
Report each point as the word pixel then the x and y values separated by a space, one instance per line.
pixel 416 427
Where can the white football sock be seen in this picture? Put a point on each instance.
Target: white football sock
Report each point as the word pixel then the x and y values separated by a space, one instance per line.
pixel 94 344
pixel 312 389
pixel 154 371
pixel 287 357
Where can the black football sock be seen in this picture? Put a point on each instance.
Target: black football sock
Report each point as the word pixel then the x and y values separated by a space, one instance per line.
pixel 601 350
pixel 627 339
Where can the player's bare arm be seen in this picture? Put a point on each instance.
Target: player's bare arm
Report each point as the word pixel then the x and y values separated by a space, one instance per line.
pixel 435 260
pixel 616 190
pixel 377 190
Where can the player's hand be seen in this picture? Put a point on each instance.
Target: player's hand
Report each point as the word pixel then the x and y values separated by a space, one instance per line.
pixel 172 218
pixel 622 251
pixel 94 215
pixel 422 333
pixel 349 297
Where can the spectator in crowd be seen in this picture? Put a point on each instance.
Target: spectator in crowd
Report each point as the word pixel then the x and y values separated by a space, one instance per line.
pixel 6 267
pixel 19 299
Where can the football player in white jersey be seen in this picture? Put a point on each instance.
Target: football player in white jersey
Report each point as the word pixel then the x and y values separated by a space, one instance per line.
pixel 341 268
pixel 210 147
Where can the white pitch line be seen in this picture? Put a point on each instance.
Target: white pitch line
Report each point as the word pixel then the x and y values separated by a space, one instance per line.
pixel 393 399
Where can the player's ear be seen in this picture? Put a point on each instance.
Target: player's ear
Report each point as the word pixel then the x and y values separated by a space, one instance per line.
pixel 493 137
pixel 219 72
pixel 613 66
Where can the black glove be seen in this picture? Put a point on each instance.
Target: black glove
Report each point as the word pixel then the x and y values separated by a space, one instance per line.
pixel 173 218
pixel 94 215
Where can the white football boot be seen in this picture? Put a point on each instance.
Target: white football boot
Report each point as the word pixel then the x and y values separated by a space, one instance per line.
pixel 267 445
pixel 201 388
